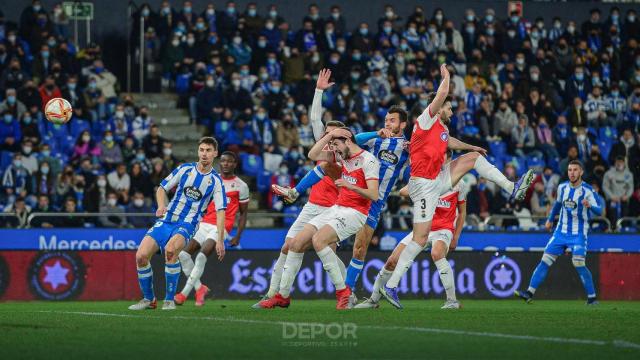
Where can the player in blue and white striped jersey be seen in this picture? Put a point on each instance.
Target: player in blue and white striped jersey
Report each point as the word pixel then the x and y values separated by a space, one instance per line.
pixel 575 204
pixel 197 185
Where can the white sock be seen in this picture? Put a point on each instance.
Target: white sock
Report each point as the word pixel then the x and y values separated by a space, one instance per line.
pixel 491 173
pixel 381 280
pixel 404 262
pixel 343 269
pixel 187 267
pixel 276 275
pixel 290 270
pixel 531 290
pixel 196 273
pixel 446 276
pixel 330 264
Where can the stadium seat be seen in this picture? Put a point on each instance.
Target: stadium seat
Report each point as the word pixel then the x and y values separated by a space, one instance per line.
pixel 498 149
pixel 290 210
pixel 263 181
pixel 519 163
pixel 607 132
pixel 251 164
pixel 535 163
pixel 628 229
pixel 5 159
pixel 221 129
pixel 497 162
pixel 183 83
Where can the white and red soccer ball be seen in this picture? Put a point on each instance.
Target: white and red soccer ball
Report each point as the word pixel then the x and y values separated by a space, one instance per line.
pixel 58 111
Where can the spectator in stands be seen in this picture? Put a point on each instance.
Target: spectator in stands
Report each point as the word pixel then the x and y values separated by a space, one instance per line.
pixel 618 189
pixel 128 149
pixel 596 165
pixel 30 129
pixel 142 160
pixel 139 206
pixel 523 138
pixel 16 179
pixel 85 146
pixel 141 124
pixel 287 135
pixel 12 104
pixel 140 180
pixel 110 152
pixel 120 182
pixel 263 128
pixel 562 136
pixel 167 156
pixel 44 180
pixel 235 97
pixel 628 148
pixel 20 211
pixel 69 221
pixel 159 171
pixel 10 132
pixel 540 202
pixel 241 138
pixel 49 90
pixel 105 80
pixel 29 159
pixel 63 184
pixel 96 195
pixel 43 206
pixel 153 143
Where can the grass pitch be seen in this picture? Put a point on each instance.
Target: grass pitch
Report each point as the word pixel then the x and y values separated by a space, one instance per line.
pixel 231 329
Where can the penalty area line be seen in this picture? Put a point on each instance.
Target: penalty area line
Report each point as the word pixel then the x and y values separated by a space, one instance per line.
pixel 616 343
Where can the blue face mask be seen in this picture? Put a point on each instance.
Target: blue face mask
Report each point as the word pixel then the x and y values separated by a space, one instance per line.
pixel 364 31
pixel 615 93
pixel 187 10
pixel 275 89
pixel 200 26
pixel 51 43
pixel 46 153
pixel 93 85
pixel 271 60
pixel 145 12
pixel 27 120
pixel 71 86
pixel 579 76
pixel 515 19
pixel 45 54
pixel 357 57
pixel 140 157
pixel 11 99
pixel 8 118
pixel 231 10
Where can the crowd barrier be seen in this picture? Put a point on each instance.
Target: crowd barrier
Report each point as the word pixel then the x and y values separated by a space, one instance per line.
pixel 111 275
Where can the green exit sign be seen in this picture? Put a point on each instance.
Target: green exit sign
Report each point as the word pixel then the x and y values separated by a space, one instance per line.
pixel 78 10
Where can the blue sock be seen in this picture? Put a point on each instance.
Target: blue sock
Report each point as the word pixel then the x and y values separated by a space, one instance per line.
pixel 313 177
pixel 539 274
pixel 145 279
pixel 353 272
pixel 172 275
pixel 587 280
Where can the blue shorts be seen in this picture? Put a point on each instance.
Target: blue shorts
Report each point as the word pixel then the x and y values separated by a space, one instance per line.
pixel 374 213
pixel 162 231
pixel 559 242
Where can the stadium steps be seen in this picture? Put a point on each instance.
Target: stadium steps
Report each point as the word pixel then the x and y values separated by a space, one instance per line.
pixel 173 122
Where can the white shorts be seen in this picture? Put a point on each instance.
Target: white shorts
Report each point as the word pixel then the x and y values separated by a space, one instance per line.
pixel 439 235
pixel 425 194
pixel 309 211
pixel 207 231
pixel 345 221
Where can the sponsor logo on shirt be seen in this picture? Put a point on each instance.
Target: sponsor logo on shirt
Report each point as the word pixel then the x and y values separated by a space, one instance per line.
pixel 569 204
pixel 388 156
pixel 192 193
pixel 350 179
pixel 444 203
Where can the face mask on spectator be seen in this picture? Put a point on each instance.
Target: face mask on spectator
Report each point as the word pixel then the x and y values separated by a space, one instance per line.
pixel 357 56
pixel 46 153
pixel 71 85
pixel 211 11
pixel 579 76
pixel 582 137
pixel 86 138
pixel 515 19
pixel 93 85
pixel 291 105
pixel 271 60
pixel 355 75
pixel 244 72
pixel 252 12
pixel 470 29
pixel 119 114
pixel 27 150
pixel 138 202
pixel 145 12
pixel 520 61
pixel 262 44
pixel 571 29
pixel 8 118
pixel 511 34
pixel 166 152
pixel 17 163
pixel 45 54
pixel 210 83
pixel 341 49
pixel 424 102
pixel 284 170
pixel 175 42
pixel 235 83
pixel 275 89
pixel 631 18
pixel 44 170
pixel 200 26
pixel 108 138
pixel 37 8
pixel 491 31
pixel 334 60
pixel 366 92
pixel 51 43
pixel 231 10
pixel 273 13
pixel 102 183
pixel 140 157
pixel 489 18
pixel 439 17
pixel 11 99
pixel 27 120
pixel 191 41
pixel 237 40
pixel 112 202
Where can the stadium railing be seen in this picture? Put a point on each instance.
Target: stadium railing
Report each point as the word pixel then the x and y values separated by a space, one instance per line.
pixel 5 216
pixel 494 222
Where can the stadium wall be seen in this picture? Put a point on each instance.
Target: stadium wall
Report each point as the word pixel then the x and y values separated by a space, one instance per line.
pixel 110 275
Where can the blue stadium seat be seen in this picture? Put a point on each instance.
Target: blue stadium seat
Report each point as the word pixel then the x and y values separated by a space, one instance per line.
pixel 629 229
pixel 519 163
pixel 221 129
pixel 290 210
pixel 263 181
pixel 554 164
pixel 5 159
pixel 496 161
pixel 536 163
pixel 592 133
pixel 251 164
pixel 605 145
pixel 514 228
pixel 78 126
pixel 498 149
pixel 607 132
pixel 183 83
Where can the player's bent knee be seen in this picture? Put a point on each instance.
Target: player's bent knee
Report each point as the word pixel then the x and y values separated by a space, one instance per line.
pixel 578 261
pixel 142 260
pixel 549 259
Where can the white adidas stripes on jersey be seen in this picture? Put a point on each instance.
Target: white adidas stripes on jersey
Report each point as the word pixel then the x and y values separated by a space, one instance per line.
pixel 194 193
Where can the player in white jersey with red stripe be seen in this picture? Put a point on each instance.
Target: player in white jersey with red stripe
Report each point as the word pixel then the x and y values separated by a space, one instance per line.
pixel 358 187
pixel 448 222
pixel 237 193
pixel 429 179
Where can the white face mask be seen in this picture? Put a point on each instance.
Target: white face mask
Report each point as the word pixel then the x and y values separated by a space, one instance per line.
pixel 138 202
pixel 102 183
pixel 27 150
pixel 210 83
pixel 236 82
pixel 112 202
pixel 166 152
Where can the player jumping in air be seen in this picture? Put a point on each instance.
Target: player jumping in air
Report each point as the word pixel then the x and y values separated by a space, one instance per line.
pixel 448 222
pixel 237 194
pixel 358 188
pixel 429 142
pixel 197 184
pixel 391 148
pixel 575 203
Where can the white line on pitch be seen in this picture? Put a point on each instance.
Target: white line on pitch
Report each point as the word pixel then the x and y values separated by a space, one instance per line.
pixel 616 343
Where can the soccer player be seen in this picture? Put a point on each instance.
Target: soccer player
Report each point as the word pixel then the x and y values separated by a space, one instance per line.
pixel 391 148
pixel 237 194
pixel 448 222
pixel 429 142
pixel 197 184
pixel 324 192
pixel 358 189
pixel 575 203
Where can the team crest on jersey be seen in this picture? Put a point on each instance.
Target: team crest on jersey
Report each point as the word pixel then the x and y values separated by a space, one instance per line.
pixel 192 193
pixel 569 204
pixel 388 156
pixel 444 136
pixel 350 179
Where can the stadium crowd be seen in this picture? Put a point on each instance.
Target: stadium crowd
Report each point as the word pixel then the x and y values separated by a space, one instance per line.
pixel 535 92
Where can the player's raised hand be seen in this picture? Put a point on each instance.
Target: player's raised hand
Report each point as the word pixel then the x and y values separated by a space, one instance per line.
pixel 384 133
pixel 340 133
pixel 586 203
pixel 548 225
pixel 161 211
pixel 482 151
pixel 342 183
pixel 220 250
pixel 235 241
pixel 323 80
pixel 444 72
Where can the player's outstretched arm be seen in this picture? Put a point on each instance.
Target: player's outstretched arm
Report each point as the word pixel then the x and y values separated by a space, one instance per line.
pixel 161 200
pixel 315 114
pixel 455 144
pixel 441 93
pixel 220 219
pixel 462 215
pixel 555 210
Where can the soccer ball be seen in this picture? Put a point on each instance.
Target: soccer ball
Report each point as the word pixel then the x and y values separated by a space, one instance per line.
pixel 58 111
